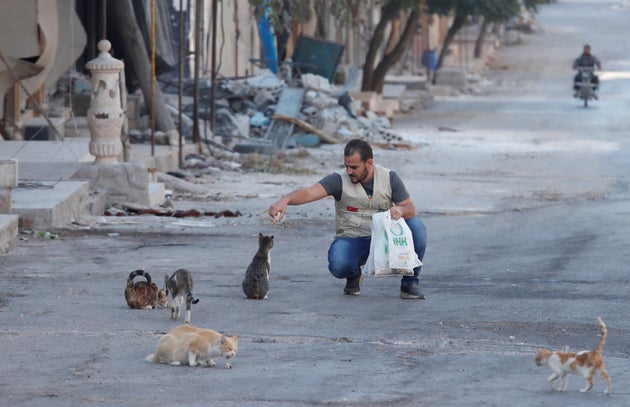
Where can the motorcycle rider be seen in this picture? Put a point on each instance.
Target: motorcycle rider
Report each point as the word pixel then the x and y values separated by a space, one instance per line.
pixel 586 59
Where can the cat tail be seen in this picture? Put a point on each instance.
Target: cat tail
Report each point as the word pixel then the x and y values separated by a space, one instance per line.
pixel 150 358
pixel 604 333
pixel 136 273
pixel 190 298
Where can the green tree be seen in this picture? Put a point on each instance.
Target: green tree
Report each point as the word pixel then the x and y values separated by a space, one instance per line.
pixel 374 73
pixel 461 10
pixel 489 10
pixel 380 59
pixel 493 11
pixel 283 13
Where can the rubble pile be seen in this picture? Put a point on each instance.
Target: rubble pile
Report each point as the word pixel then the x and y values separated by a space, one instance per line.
pixel 327 113
pixel 246 108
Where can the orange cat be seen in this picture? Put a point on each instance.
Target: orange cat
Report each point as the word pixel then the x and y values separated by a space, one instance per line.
pixel 585 363
pixel 187 344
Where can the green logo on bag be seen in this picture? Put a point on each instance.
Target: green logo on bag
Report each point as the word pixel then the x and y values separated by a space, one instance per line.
pixel 396 229
pixel 399 241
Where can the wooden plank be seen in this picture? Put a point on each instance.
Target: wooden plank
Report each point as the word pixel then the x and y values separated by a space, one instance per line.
pixel 307 127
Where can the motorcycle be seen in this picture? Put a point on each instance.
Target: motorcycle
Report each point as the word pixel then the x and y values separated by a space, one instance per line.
pixel 586 88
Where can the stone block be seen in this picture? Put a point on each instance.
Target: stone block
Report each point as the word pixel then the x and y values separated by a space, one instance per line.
pixel 157 194
pixel 51 203
pixel 387 108
pixel 366 100
pixel 411 82
pixel 393 91
pixel 8 232
pixel 8 173
pixel 455 77
pixel 124 182
pixel 5 200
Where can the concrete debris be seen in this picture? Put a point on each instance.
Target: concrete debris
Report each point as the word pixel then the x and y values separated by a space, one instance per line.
pixel 318 83
pixel 259 119
pixel 245 109
pixel 248 108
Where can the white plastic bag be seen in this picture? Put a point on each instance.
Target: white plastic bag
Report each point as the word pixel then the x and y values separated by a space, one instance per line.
pixel 391 248
pixel 378 262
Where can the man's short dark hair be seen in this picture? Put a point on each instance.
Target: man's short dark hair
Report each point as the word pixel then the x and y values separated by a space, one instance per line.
pixel 360 146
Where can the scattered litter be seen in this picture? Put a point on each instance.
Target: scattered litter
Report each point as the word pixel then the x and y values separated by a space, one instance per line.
pixel 190 213
pixel 46 234
pixel 259 119
pixel 446 128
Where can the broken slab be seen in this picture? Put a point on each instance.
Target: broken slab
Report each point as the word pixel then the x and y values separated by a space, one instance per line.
pixel 46 204
pixel 366 100
pixel 124 183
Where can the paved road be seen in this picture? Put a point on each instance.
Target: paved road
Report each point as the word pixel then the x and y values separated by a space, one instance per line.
pixel 527 211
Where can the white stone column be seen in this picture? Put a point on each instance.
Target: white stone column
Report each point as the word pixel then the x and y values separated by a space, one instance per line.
pixel 105 116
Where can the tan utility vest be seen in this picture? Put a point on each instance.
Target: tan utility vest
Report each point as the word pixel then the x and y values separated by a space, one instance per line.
pixel 354 210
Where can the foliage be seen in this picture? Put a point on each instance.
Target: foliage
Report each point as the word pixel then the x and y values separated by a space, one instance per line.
pixel 498 10
pixel 374 74
pixel 492 10
pixel 341 9
pixel 282 13
pixel 533 4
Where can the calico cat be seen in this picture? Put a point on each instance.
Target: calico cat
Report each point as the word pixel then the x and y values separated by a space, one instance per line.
pixel 256 282
pixel 179 285
pixel 585 363
pixel 144 294
pixel 193 346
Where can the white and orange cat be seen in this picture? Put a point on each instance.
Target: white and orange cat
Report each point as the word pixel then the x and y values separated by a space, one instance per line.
pixel 585 363
pixel 188 345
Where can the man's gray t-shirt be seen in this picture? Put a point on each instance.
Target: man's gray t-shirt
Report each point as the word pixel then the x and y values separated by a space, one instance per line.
pixel 333 185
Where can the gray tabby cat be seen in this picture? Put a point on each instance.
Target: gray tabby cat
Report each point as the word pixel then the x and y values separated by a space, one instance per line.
pixel 179 286
pixel 256 282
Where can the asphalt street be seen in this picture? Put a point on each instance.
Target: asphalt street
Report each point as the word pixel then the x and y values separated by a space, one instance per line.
pixel 525 196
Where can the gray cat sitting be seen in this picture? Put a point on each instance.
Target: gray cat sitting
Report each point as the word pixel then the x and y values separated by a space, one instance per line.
pixel 256 282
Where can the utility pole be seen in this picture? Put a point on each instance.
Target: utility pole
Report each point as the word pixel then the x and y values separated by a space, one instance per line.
pixel 213 116
pixel 198 16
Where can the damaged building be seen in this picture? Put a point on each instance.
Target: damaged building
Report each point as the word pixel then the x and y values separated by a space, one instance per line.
pixel 309 99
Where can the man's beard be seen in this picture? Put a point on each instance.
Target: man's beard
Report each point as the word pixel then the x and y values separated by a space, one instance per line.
pixel 356 180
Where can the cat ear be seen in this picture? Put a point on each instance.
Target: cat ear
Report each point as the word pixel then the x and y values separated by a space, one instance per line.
pixel 223 339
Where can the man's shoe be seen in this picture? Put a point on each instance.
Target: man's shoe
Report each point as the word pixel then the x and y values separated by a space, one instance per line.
pixel 353 285
pixel 411 292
